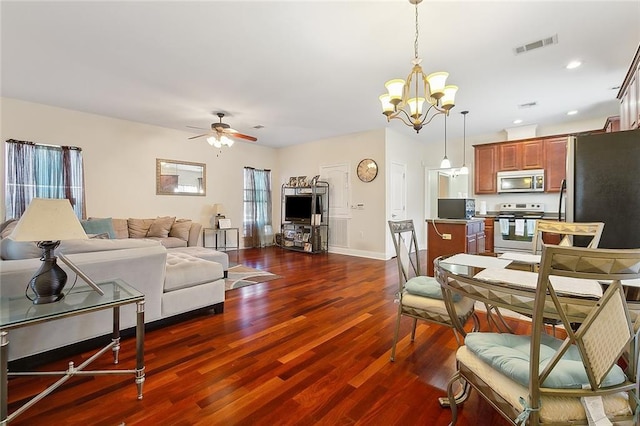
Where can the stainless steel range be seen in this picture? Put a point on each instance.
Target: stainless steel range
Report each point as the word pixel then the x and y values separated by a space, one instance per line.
pixel 515 223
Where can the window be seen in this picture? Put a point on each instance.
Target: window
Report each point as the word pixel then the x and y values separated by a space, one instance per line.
pixel 257 226
pixel 42 171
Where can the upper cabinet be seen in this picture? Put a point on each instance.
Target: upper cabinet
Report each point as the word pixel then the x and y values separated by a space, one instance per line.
pixel 555 164
pixel 485 181
pixel 525 155
pixel 629 96
pixel 539 153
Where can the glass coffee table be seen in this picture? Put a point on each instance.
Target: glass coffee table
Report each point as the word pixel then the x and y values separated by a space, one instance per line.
pixel 18 311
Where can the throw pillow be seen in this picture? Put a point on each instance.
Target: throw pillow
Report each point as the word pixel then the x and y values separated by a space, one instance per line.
pixel 7 228
pixel 99 226
pixel 180 229
pixel 160 227
pixel 138 228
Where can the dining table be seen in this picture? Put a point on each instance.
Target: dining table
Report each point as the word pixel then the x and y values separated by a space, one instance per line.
pixel 508 281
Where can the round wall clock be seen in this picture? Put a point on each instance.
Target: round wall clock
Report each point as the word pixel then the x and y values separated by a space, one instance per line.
pixel 367 170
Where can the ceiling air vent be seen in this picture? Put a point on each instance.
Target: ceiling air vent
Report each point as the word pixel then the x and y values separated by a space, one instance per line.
pixel 536 44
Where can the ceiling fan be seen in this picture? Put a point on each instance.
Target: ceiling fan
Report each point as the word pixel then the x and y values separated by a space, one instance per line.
pixel 221 134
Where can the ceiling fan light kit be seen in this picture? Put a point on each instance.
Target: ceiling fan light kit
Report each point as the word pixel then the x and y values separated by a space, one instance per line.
pixel 416 90
pixel 222 134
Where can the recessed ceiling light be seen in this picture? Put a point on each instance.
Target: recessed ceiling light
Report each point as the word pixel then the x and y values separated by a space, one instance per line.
pixel 518 121
pixel 574 112
pixel 573 64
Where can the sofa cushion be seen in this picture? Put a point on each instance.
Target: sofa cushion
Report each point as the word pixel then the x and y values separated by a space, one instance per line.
pixel 138 228
pixel 160 227
pixel 99 226
pixel 169 242
pixel 204 253
pixel 187 271
pixel 121 227
pixel 11 249
pixel 180 229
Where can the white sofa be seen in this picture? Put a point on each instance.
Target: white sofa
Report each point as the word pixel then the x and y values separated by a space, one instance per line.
pixel 173 283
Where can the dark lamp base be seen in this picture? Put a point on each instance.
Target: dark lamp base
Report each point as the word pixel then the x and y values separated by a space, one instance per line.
pixel 48 282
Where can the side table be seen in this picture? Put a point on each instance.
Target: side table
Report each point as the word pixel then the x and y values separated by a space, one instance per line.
pixel 217 232
pixel 16 312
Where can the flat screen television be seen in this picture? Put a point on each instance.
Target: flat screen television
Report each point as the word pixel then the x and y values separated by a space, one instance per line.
pixel 297 208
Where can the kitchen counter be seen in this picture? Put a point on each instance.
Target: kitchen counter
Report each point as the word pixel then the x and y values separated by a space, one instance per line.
pixel 473 219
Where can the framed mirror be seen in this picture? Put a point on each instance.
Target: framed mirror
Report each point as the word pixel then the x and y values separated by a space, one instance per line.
pixel 175 177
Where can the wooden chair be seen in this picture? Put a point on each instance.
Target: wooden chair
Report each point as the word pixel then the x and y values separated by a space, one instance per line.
pixel 566 231
pixel 540 380
pixel 420 297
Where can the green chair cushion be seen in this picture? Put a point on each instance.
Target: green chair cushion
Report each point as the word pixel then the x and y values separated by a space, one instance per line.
pixel 509 354
pixel 426 287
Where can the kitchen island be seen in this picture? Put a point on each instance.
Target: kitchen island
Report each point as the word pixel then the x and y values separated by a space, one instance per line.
pixel 450 236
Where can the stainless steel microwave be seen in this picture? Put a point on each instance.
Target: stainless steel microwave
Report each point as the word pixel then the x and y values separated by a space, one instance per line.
pixel 521 181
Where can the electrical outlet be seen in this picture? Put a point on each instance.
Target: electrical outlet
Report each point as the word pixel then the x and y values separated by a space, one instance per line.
pixel 446 236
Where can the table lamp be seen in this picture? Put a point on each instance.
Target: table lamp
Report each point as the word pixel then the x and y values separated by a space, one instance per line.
pixel 218 213
pixel 48 221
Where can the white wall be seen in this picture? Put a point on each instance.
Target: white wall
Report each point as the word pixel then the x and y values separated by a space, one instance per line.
pixel 366 227
pixel 120 157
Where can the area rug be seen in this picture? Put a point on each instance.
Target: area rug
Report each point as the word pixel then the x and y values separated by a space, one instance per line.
pixel 242 276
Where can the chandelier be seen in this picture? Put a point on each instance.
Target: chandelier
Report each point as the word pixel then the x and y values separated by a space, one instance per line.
pixel 408 97
pixel 219 141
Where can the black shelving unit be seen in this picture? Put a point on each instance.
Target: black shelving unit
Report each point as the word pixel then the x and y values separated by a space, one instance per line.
pixel 310 235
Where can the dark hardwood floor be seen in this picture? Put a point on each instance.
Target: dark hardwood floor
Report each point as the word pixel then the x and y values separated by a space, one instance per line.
pixel 310 348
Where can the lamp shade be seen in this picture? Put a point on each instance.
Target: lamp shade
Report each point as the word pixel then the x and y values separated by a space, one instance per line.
pixel 48 219
pixel 218 209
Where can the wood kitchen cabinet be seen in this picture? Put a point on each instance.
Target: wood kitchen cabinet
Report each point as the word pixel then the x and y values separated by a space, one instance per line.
pixel 556 163
pixel 489 223
pixel 452 236
pixel 484 170
pixel 629 96
pixel 522 155
pixel 548 153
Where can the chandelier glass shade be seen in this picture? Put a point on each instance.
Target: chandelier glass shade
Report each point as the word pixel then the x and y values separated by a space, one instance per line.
pixel 464 170
pixel 219 141
pixel 421 97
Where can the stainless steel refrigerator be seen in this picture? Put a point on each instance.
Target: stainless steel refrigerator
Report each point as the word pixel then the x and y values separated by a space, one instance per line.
pixel 603 185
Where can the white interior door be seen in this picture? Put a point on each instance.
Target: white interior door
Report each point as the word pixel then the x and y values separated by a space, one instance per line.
pixel 398 187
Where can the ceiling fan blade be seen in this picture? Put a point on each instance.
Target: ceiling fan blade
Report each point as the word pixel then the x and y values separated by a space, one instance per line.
pixel 240 135
pixel 199 136
pixel 194 127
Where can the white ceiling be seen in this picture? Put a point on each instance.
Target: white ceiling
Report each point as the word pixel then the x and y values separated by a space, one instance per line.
pixel 308 70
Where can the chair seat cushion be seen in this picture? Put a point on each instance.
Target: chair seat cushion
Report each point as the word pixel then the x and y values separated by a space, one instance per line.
pixel 553 409
pixel 510 354
pixel 426 287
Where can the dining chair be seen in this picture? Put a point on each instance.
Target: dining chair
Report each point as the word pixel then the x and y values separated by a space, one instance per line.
pixel 419 296
pixel 563 232
pixel 592 231
pixel 539 379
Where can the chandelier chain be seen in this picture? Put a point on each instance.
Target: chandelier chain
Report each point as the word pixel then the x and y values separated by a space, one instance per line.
pixel 415 43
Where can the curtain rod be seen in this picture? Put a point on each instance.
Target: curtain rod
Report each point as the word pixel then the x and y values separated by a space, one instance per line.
pixel 43 144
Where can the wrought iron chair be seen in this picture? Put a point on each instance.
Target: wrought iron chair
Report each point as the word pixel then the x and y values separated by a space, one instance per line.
pixel 566 230
pixel 539 379
pixel 420 297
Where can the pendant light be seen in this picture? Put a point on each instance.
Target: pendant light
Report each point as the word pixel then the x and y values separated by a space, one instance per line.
pixel 464 170
pixel 445 164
